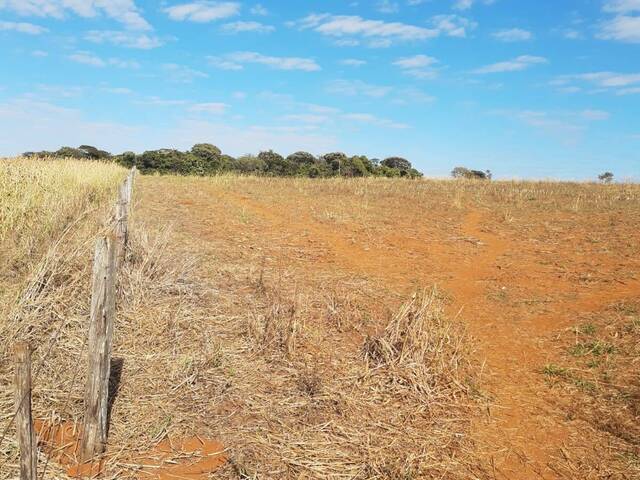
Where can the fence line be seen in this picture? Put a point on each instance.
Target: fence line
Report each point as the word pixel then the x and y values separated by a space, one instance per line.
pixel 109 256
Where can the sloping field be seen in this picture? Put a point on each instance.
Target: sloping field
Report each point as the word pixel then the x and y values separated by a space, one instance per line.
pixel 370 329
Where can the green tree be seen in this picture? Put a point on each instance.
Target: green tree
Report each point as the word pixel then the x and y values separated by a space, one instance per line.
pixel 398 163
pixel 250 164
pixel 69 152
pixel 606 177
pixel 94 153
pixel 277 165
pixel 334 162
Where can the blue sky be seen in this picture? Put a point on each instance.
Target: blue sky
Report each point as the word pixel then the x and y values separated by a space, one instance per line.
pixel 525 88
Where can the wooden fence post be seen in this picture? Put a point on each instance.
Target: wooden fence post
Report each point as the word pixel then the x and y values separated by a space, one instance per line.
pixel 130 180
pixel 24 420
pixel 103 301
pixel 122 221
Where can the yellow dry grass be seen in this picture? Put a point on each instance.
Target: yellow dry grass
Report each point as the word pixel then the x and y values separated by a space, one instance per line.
pixel 40 198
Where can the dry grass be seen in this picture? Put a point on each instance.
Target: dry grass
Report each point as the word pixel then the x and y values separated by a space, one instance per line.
pixel 302 374
pixel 41 199
pixel 51 212
pixel 600 387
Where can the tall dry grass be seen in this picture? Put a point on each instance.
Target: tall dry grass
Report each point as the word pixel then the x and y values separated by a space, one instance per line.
pixel 39 199
pixel 50 213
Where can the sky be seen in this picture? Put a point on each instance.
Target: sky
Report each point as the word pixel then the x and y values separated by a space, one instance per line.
pixel 525 88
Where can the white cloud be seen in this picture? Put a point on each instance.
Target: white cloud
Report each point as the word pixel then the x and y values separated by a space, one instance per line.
pixel 357 87
pixel 387 6
pixel 595 115
pixel 161 102
pixel 353 62
pixel 203 11
pixel 22 27
pixel 411 96
pixel 181 74
pixel 376 32
pixel 224 64
pixel 622 6
pixel 117 90
pixel 467 4
pixel 601 79
pixel 623 28
pixel 517 64
pixel 90 59
pixel 417 61
pixel 214 108
pixel 418 66
pixel 124 39
pixel 238 27
pixel 452 25
pixel 512 35
pixel 373 120
pixel 39 53
pixel 123 11
pixel 310 118
pixel 87 58
pixel 567 127
pixel 258 9
pixel 236 61
pixel 628 91
pixel 572 34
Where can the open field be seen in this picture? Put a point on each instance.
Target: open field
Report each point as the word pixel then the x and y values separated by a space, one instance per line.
pixel 366 329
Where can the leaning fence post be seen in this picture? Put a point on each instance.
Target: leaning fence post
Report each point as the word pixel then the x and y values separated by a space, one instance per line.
pixel 122 220
pixel 24 420
pixel 103 301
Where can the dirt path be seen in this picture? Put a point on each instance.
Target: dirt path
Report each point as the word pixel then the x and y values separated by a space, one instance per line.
pixel 522 434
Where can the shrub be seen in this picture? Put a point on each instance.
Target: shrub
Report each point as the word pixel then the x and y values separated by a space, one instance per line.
pixel 606 177
pixel 462 172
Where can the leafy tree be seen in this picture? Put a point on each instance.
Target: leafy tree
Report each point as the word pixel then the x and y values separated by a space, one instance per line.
pixel 384 171
pixel 462 172
pixel 250 164
pixel 399 163
pixel 277 165
pixel 606 177
pixel 334 162
pixel 93 153
pixel 354 167
pixel 301 158
pixel 206 150
pixel 127 159
pixel 69 152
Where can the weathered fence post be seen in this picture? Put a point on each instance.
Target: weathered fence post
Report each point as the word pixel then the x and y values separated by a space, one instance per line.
pixel 24 420
pixel 122 221
pixel 130 180
pixel 103 301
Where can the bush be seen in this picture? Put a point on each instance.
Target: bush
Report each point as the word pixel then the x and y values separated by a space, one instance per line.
pixel 462 172
pixel 606 177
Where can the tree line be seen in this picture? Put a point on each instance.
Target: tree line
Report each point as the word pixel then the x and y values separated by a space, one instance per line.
pixel 207 159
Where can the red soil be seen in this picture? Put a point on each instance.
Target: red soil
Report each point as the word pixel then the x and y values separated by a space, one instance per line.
pixel 181 459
